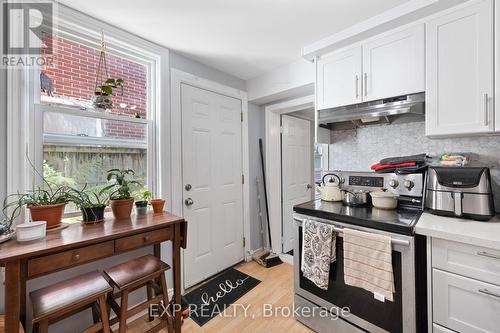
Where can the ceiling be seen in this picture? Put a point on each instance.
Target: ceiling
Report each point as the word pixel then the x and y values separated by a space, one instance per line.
pixel 245 38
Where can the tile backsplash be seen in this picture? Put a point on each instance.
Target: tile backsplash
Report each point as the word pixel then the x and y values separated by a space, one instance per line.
pixel 358 149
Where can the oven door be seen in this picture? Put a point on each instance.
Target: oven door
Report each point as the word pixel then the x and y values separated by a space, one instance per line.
pixel 365 311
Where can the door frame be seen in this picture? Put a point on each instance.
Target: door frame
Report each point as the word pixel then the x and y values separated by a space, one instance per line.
pixel 177 78
pixel 272 116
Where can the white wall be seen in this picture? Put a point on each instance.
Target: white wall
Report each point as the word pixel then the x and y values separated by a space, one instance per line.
pixel 292 80
pixel 196 68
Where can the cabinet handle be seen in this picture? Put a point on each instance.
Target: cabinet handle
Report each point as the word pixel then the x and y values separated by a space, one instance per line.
pixel 366 84
pixel 489 293
pixel 485 109
pixel 489 255
pixel 357 84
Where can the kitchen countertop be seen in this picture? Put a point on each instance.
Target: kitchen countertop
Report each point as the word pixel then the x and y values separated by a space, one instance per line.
pixel 485 234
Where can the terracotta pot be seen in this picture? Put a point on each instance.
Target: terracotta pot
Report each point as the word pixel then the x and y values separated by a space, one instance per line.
pixel 53 214
pixel 158 205
pixel 122 208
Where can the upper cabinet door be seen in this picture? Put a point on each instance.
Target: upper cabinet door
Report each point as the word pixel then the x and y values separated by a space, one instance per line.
pixel 394 64
pixel 459 75
pixel 339 79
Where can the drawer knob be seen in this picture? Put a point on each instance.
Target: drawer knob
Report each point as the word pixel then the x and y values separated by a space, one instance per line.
pixel 147 238
pixel 76 257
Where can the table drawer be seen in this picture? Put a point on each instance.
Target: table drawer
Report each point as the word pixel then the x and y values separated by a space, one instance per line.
pixel 66 259
pixel 468 260
pixel 136 241
pixel 465 305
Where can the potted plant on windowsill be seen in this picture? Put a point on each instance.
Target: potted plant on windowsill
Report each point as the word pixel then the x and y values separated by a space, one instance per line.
pixel 103 96
pixel 43 204
pixel 158 205
pixel 121 200
pixel 91 204
pixel 141 206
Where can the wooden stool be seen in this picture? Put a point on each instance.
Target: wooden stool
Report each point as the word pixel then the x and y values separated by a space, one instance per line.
pixel 135 274
pixel 58 301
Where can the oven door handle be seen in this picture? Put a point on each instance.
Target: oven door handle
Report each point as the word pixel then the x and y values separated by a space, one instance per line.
pixel 340 230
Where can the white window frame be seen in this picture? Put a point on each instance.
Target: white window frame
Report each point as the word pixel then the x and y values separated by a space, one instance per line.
pixel 25 133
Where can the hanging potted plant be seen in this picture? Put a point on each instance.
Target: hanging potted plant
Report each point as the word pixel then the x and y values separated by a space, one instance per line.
pixel 141 206
pixel 121 200
pixel 103 96
pixel 104 84
pixel 91 204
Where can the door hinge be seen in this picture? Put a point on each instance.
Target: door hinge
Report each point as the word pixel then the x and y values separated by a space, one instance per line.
pixel 243 179
pixel 241 116
pixel 244 242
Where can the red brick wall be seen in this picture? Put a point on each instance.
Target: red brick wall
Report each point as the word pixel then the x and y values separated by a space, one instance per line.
pixel 73 75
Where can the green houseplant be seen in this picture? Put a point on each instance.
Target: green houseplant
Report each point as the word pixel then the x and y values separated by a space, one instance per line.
pixel 45 203
pixel 121 200
pixel 91 204
pixel 103 95
pixel 141 206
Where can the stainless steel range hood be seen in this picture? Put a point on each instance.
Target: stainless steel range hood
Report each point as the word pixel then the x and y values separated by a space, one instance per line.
pixel 374 112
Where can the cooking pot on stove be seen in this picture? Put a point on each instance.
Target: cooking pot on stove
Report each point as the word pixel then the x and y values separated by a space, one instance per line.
pixel 352 197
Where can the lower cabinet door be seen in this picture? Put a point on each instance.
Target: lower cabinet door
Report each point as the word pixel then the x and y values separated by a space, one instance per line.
pixel 465 305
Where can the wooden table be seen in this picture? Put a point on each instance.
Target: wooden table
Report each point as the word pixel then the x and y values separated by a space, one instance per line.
pixel 79 244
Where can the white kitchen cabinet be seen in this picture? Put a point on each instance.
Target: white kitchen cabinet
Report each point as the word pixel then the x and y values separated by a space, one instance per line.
pixel 465 305
pixel 339 78
pixel 389 65
pixel 459 71
pixel 394 64
pixel 472 261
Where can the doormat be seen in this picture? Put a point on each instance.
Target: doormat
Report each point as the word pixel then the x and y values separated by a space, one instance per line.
pixel 214 296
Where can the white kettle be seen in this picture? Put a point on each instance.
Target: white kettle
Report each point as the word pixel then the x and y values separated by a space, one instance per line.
pixel 330 191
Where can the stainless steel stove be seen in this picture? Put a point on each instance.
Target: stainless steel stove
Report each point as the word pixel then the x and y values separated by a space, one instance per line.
pixel 406 313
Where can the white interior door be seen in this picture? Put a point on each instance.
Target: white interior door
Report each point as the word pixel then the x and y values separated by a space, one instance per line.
pixel 296 172
pixel 213 190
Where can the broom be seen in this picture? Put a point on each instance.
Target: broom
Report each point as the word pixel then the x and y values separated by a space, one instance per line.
pixel 269 259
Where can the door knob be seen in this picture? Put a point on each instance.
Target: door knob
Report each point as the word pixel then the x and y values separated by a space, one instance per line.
pixel 188 187
pixel 189 202
pixel 309 186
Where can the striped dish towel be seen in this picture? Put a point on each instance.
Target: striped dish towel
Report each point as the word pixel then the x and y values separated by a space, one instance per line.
pixel 368 262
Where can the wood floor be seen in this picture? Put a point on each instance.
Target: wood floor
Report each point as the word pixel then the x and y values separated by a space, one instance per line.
pixel 276 288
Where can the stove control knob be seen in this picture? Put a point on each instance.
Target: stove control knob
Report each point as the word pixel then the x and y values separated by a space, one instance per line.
pixel 408 184
pixel 393 183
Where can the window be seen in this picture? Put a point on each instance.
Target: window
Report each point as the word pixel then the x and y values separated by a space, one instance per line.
pixel 321 162
pixel 80 143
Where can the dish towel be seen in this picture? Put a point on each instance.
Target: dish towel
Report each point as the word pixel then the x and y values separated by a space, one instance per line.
pixel 318 251
pixel 368 262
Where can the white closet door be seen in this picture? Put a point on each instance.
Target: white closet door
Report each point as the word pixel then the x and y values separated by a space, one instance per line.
pixel 296 172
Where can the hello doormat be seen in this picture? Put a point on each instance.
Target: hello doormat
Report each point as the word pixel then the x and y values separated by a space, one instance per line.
pixel 214 296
